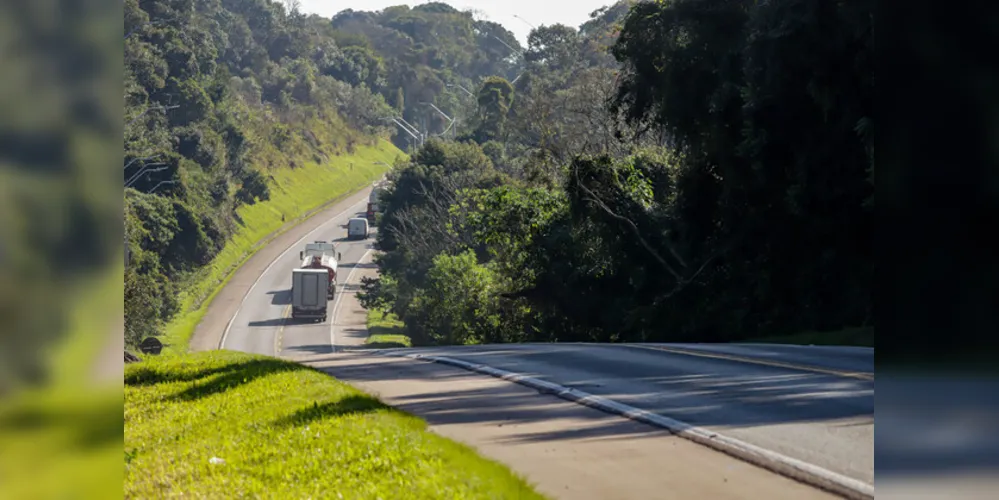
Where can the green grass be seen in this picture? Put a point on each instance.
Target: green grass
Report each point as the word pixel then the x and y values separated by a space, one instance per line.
pixel 61 444
pixel 95 312
pixel 285 430
pixel 385 330
pixel 295 193
pixel 859 336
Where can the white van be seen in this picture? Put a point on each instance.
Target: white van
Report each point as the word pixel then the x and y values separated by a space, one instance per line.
pixel 357 228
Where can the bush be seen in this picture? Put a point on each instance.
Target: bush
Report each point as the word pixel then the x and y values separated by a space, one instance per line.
pixel 254 188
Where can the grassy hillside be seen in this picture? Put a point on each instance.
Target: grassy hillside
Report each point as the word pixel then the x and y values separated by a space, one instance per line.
pixel 295 193
pixel 223 424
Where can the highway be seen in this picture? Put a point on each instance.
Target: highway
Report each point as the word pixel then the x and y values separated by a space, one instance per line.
pixel 263 324
pixel 812 404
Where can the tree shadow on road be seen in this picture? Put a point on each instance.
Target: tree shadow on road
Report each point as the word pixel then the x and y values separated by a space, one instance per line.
pixel 704 400
pixel 307 350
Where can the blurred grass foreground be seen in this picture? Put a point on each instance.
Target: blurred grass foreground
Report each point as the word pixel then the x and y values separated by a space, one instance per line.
pixel 60 248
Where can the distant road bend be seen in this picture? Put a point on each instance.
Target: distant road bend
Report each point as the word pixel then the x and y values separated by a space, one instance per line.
pixel 812 404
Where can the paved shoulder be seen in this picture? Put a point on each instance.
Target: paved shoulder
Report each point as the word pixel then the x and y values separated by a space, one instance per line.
pixel 568 451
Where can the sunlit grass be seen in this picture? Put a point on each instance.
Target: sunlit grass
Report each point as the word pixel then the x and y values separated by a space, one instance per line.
pixel 385 330
pixel 221 424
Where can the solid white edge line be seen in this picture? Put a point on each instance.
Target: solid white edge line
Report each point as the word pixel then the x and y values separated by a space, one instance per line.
pixel 793 468
pixel 228 325
pixel 336 303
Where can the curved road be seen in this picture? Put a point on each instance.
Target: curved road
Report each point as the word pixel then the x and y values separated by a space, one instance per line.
pixel 808 404
pixel 814 404
pixel 263 325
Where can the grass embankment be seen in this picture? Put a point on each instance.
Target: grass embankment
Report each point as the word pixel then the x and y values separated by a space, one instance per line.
pixel 285 430
pixel 860 336
pixel 295 193
pixel 385 330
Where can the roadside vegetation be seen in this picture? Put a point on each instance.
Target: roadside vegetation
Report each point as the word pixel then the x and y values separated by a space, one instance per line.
pixel 385 330
pixel 239 118
pixel 224 424
pixel 688 171
pixel 694 170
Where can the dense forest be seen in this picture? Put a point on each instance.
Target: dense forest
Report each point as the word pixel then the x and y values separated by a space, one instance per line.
pixel 218 95
pixel 684 170
pixel 692 170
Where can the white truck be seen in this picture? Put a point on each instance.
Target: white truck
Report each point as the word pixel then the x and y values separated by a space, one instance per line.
pixel 319 247
pixel 321 255
pixel 309 289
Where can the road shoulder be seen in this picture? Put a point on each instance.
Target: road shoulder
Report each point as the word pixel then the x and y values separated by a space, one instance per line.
pixel 567 450
pixel 349 321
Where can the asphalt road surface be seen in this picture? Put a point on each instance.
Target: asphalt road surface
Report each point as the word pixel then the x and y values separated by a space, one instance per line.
pixel 772 398
pixel 263 323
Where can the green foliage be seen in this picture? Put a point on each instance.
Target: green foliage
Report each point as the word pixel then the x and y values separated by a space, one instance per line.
pixel 683 170
pixel 385 330
pixel 458 305
pixel 254 188
pixel 280 426
pixel 772 205
pixel 495 98
pixel 724 194
pixel 60 210
pixel 422 48
pixel 220 96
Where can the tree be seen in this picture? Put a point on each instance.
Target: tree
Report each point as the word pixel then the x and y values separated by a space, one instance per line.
pixel 495 97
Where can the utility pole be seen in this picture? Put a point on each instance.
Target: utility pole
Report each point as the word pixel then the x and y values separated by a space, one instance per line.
pixel 421 137
pixel 406 129
pixel 469 92
pixel 446 117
